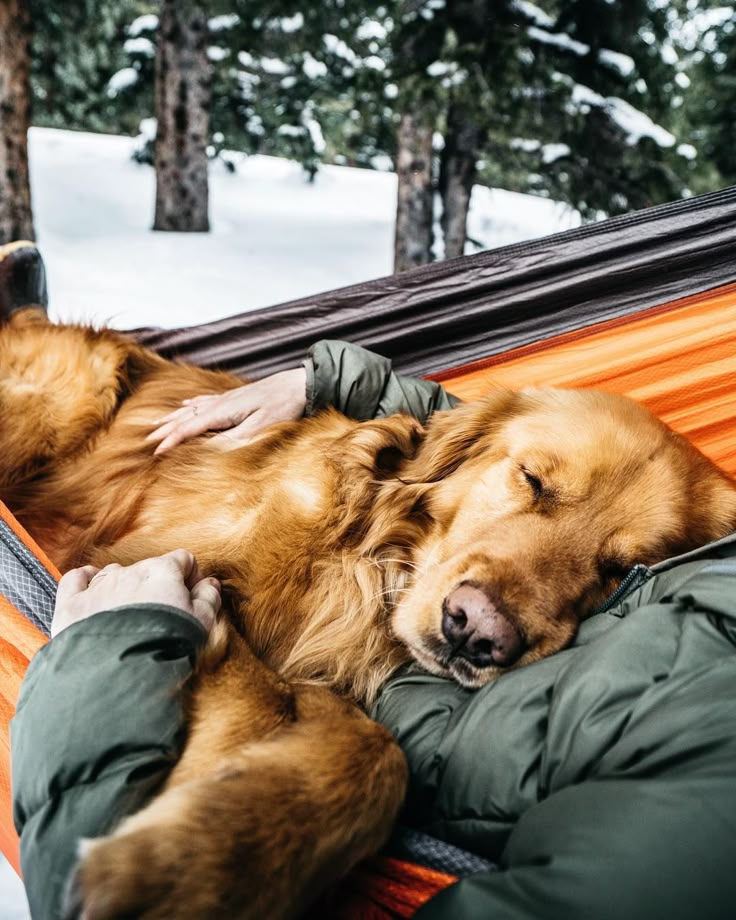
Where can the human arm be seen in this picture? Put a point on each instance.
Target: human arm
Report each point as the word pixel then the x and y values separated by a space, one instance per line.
pixel 100 719
pixel 357 382
pixel 600 779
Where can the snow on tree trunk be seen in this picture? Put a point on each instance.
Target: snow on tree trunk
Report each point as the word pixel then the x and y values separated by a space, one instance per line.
pixel 457 174
pixel 414 207
pixel 16 218
pixel 182 111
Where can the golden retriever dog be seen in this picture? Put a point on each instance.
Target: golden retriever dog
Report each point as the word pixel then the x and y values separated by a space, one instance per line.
pixel 474 546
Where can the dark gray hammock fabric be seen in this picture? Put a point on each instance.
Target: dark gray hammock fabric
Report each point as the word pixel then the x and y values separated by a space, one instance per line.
pixel 450 314
pixel 417 847
pixel 24 581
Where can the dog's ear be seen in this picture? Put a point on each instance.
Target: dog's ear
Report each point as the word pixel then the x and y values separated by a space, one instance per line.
pixel 453 437
pixel 710 510
pixel 716 502
pixel 381 446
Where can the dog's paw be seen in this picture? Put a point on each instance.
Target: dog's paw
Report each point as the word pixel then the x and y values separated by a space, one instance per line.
pixel 123 877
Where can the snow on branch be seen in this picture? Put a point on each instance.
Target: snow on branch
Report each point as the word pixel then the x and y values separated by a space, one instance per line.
pixel 634 123
pixel 139 46
pixel 533 12
pixel 145 23
pixel 224 22
pixel 623 63
pixel 559 39
pixel 121 80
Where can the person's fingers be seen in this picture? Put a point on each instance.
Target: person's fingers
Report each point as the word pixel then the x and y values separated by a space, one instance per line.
pixel 175 432
pixel 206 601
pixel 198 400
pixel 187 415
pixel 76 580
pixel 244 433
pixel 185 403
pixel 66 608
pixel 185 563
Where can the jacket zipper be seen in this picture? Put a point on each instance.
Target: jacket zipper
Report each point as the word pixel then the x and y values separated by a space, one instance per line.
pixel 635 578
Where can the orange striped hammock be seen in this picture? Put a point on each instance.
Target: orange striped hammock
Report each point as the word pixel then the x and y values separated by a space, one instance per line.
pixel 677 357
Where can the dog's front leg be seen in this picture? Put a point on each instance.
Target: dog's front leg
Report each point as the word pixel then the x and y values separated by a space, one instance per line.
pixel 280 791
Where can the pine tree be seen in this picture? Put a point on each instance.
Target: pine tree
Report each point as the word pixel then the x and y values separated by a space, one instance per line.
pixel 16 219
pixel 182 114
pixel 84 75
pixel 417 43
pixel 710 105
pixel 600 81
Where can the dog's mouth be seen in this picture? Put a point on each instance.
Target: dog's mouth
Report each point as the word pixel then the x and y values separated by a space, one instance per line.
pixel 438 657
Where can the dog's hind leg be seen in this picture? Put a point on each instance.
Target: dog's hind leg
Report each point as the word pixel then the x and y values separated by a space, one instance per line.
pixel 281 790
pixel 59 386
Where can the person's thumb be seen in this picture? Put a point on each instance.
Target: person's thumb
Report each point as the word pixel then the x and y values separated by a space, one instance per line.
pixel 206 601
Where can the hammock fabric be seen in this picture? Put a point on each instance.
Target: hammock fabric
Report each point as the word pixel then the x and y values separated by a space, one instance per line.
pixel 643 305
pixel 27 589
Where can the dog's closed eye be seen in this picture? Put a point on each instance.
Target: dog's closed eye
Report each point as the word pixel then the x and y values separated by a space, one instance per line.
pixel 535 483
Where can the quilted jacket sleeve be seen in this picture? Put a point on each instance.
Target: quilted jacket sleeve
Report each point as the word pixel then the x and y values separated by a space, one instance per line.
pixel 601 780
pixel 363 385
pixel 99 725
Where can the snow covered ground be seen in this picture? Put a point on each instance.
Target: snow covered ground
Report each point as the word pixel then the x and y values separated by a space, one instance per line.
pixel 13 905
pixel 274 237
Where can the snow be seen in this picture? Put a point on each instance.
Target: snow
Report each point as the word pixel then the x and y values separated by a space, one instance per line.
pixel 148 128
pixel 687 151
pixel 338 47
pixel 623 63
pixel 312 67
pixel 552 152
pixel 370 28
pixel 383 162
pixel 559 39
pixel 527 144
pixel 373 62
pixel 533 12
pixel 291 23
pixel 698 28
pixel 224 22
pixel 145 23
pixel 438 69
pixel 274 66
pixel 315 129
pixel 274 237
pixel 635 123
pixel 13 905
pixel 139 46
pixel 216 53
pixel 668 53
pixel 122 80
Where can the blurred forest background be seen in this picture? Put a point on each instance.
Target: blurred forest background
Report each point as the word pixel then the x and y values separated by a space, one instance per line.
pixel 608 106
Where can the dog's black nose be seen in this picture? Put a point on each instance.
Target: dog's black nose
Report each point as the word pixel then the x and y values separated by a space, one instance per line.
pixel 476 630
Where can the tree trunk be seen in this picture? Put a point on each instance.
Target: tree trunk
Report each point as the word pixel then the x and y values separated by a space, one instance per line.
pixel 457 174
pixel 16 218
pixel 182 110
pixel 413 241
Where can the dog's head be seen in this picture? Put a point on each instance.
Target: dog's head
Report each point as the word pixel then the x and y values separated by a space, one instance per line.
pixel 538 504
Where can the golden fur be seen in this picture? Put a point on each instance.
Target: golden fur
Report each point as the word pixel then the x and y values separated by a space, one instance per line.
pixel 339 545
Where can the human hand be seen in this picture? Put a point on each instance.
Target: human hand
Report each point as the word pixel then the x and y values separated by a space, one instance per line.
pixel 239 414
pixel 173 579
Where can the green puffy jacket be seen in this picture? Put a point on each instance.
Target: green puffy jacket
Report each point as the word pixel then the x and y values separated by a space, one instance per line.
pixel 602 780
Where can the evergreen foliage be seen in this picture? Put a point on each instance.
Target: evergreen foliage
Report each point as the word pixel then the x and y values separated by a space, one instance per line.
pixel 586 101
